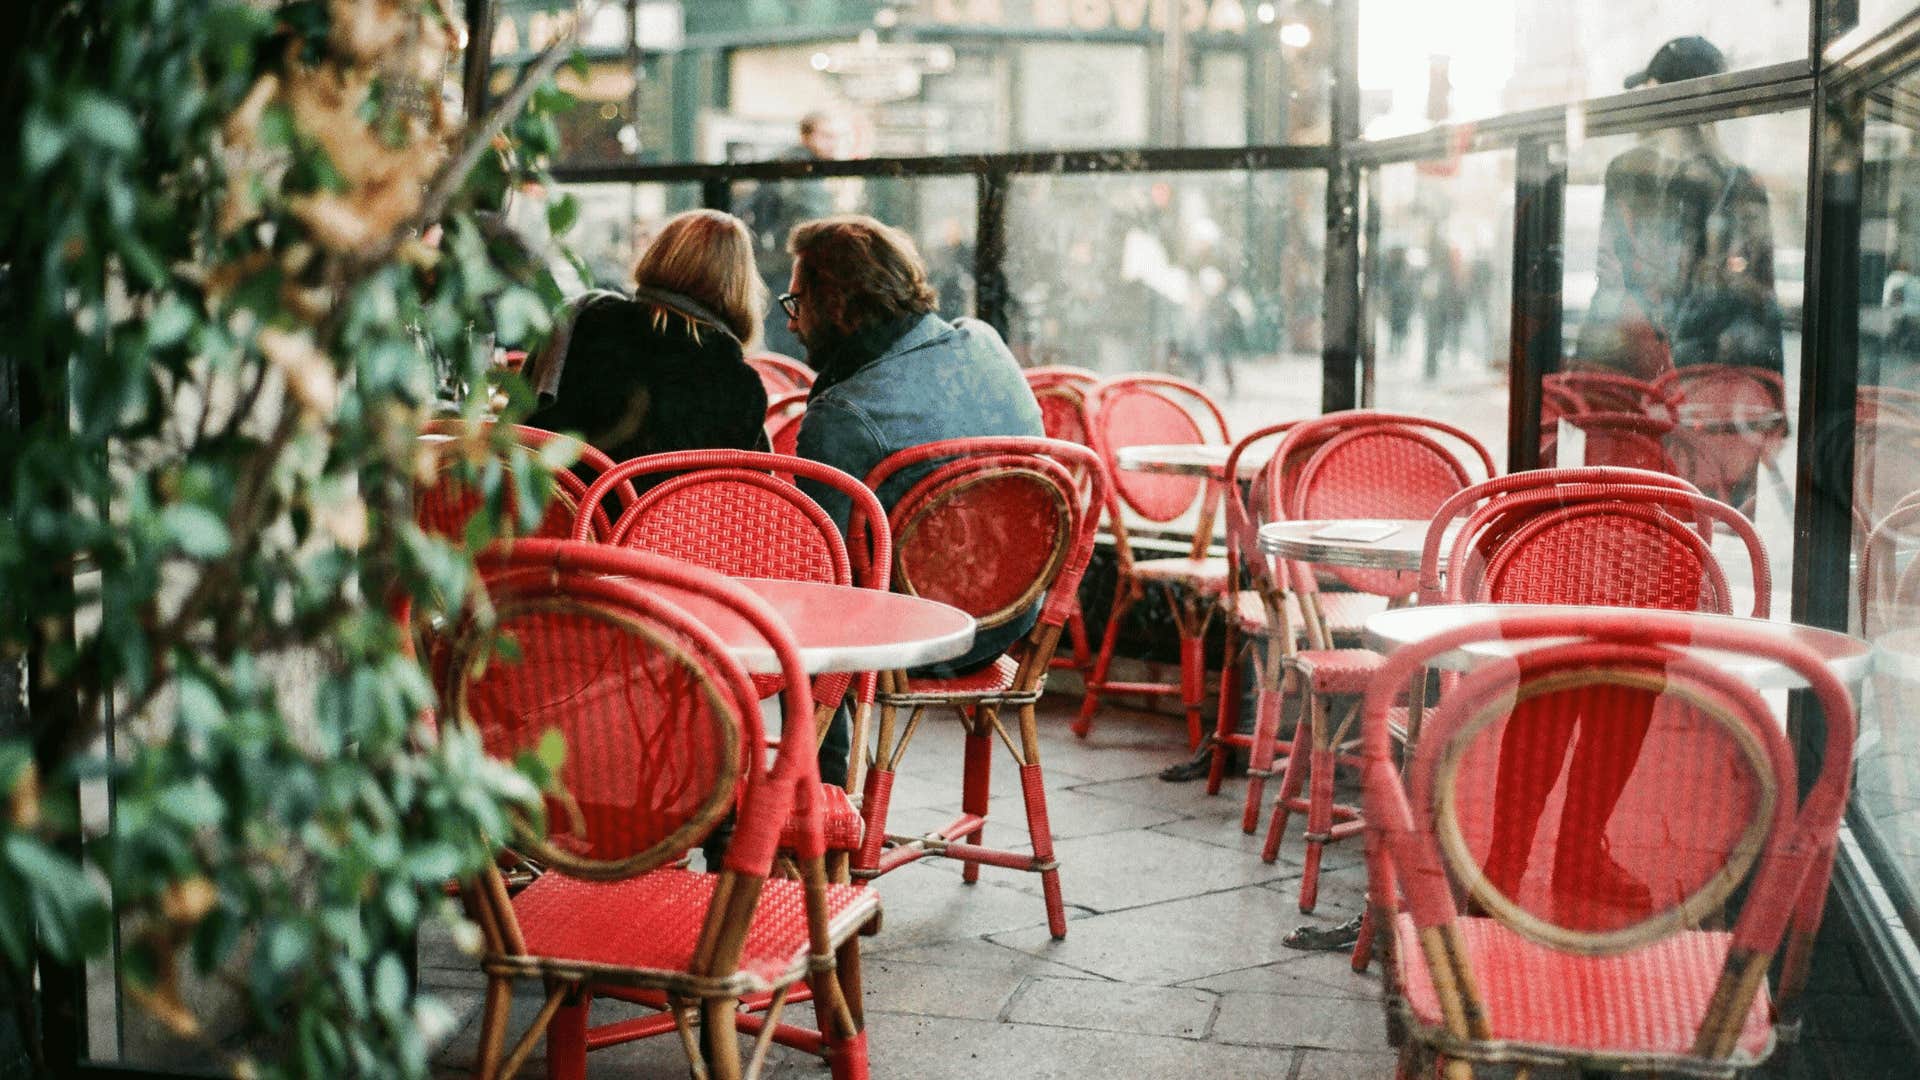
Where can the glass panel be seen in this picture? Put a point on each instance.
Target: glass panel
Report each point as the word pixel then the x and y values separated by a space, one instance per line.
pixel 712 82
pixel 615 223
pixel 1886 475
pixel 1684 260
pixel 1439 287
pixel 1422 62
pixel 1215 277
pixel 1876 15
pixel 938 212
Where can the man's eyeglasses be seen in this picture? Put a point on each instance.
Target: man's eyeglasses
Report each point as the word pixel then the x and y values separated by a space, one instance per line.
pixel 790 302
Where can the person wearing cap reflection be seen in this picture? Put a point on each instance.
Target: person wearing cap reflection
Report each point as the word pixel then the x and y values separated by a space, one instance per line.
pixel 1685 274
pixel 1685 266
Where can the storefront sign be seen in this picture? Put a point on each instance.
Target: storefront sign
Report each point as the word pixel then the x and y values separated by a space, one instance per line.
pixel 1213 16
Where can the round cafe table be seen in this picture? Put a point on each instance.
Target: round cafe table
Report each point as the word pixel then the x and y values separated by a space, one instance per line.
pixel 840 628
pixel 1399 550
pixel 1207 460
pixel 1846 656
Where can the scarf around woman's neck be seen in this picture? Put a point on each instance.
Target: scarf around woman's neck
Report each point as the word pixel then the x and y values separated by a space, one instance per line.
pixel 839 357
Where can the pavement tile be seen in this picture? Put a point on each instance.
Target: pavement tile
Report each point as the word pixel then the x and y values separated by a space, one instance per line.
pixel 923 1048
pixel 1340 1065
pixel 1304 974
pixel 1168 943
pixel 1293 1020
pixel 1109 1006
pixel 894 986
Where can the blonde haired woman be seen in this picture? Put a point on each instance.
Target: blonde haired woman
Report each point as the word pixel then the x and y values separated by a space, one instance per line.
pixel 665 368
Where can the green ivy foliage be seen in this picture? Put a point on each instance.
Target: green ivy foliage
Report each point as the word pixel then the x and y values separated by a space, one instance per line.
pixel 245 244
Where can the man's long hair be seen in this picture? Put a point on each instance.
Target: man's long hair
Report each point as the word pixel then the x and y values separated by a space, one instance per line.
pixel 857 271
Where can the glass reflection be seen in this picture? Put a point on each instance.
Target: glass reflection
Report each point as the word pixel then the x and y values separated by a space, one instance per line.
pixel 1885 487
pixel 1213 277
pixel 1439 287
pixel 1682 339
pixel 1423 63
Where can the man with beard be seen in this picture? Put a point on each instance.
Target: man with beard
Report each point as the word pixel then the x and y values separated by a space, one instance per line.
pixel 892 374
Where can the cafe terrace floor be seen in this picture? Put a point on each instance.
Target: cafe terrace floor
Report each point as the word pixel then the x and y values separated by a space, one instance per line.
pixel 1172 965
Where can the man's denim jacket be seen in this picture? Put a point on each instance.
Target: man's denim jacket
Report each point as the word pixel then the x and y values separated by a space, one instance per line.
pixel 940 380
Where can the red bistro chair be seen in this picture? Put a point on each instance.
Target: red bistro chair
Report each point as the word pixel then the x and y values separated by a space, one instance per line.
pixel 727 513
pixel 1135 410
pixel 663 740
pixel 1356 465
pixel 780 374
pixel 1061 392
pixel 784 414
pixel 444 507
pixel 1617 537
pixel 1608 391
pixel 999 524
pixel 1734 421
pixel 1551 972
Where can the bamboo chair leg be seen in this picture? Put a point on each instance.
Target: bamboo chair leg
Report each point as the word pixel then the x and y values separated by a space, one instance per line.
pixel 493 1026
pixel 976 782
pixel 1226 710
pixel 567 1039
pixel 1266 734
pixel 719 1038
pixel 1291 781
pixel 1123 599
pixel 1033 792
pixel 1319 807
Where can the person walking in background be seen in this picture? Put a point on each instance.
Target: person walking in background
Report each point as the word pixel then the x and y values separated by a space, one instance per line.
pixel 665 368
pixel 776 206
pixel 1685 266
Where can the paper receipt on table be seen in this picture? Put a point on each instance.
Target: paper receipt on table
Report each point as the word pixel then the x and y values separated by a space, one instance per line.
pixel 1365 532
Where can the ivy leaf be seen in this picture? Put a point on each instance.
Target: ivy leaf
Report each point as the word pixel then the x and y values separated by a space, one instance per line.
pixel 42 142
pixel 197 531
pixel 105 122
pixel 561 215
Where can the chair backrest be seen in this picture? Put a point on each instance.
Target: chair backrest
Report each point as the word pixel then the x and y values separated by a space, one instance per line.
pixel 1000 523
pixel 444 507
pixel 1886 465
pixel 1247 509
pixel 661 724
pixel 1607 391
pixel 779 373
pixel 1463 502
pixel 1890 572
pixel 1061 393
pixel 1619 545
pixel 1626 440
pixel 1140 410
pixel 738 512
pixel 1661 720
pixel 1366 464
pixel 784 414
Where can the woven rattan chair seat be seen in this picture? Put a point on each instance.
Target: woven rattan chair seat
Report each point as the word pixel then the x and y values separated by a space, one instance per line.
pixel 652 922
pixel 989 685
pixel 1647 1002
pixel 842 821
pixel 1346 613
pixel 1204 575
pixel 1339 671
